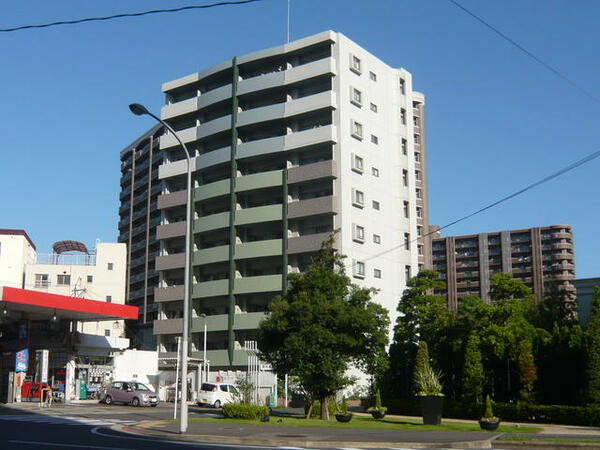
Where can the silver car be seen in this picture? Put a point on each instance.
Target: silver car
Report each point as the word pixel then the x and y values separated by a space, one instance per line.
pixel 131 393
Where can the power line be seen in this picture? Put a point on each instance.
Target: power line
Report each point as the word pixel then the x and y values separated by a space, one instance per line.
pixel 120 16
pixel 536 58
pixel 560 172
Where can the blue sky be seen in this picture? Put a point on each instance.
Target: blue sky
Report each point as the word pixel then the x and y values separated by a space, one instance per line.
pixel 496 121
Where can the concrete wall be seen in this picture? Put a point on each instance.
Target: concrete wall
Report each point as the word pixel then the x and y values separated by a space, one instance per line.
pixel 15 252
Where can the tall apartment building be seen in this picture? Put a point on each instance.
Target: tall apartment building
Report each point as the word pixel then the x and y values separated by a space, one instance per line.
pixel 138 219
pixel 540 257
pixel 288 144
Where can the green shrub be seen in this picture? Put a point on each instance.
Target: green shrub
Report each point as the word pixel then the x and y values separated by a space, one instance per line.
pixel 343 406
pixel 488 414
pixel 240 411
pixel 377 406
pixel 332 406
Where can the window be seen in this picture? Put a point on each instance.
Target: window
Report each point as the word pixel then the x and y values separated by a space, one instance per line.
pixel 373 76
pixel 403 116
pixel 375 172
pixel 417 157
pixel 373 107
pixel 420 250
pixel 357 163
pixel 417 175
pixel 402 86
pixel 419 193
pixel 376 205
pixel 376 239
pixel 358 233
pixel 406 210
pixel 355 64
pixel 419 230
pixel 109 298
pixel 419 212
pixel 374 139
pixel 417 139
pixel 404 147
pixel 357 130
pixel 420 266
pixel 415 121
pixel 405 177
pixel 407 272
pixel 110 266
pixel 41 280
pixel 406 241
pixel 355 97
pixel 63 280
pixel 377 273
pixel 224 388
pixel 90 279
pixel 358 198
pixel 107 333
pixel 358 269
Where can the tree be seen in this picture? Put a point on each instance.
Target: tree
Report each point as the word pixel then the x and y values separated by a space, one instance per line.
pixel 422 359
pixel 527 371
pixel 473 377
pixel 593 350
pixel 505 287
pixel 323 325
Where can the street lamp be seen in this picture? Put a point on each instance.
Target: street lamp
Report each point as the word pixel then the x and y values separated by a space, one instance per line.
pixel 140 110
pixel 204 355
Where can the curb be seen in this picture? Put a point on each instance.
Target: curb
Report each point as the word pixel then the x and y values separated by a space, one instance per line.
pixel 140 430
pixel 514 445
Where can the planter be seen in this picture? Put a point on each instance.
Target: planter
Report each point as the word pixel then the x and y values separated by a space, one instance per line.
pixel 343 417
pixel 431 409
pixel 378 414
pixel 489 425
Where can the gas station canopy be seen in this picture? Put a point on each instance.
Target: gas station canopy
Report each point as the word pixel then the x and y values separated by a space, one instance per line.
pixel 36 305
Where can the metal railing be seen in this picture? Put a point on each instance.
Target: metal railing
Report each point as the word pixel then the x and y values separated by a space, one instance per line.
pixel 66 259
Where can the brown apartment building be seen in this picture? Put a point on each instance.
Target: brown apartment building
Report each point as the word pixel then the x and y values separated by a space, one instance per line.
pixel 540 257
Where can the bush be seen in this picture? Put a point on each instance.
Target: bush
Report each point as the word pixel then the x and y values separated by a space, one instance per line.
pixel 332 406
pixel 239 411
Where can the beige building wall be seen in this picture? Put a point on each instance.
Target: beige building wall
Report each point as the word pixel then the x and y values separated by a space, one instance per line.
pixel 15 252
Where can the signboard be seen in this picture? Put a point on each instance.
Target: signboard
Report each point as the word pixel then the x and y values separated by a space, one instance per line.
pixel 22 360
pixel 42 357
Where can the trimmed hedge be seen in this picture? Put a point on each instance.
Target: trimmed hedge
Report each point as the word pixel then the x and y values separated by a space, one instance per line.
pixel 558 414
pixel 239 411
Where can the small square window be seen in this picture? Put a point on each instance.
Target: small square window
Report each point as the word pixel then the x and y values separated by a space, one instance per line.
pixel 419 193
pixel 419 212
pixel 41 280
pixel 109 298
pixel 405 177
pixel 107 333
pixel 357 130
pixel 406 241
pixel 376 239
pixel 355 64
pixel 375 172
pixel 373 107
pixel 355 97
pixel 407 272
pixel 402 86
pixel 357 163
pixel 420 249
pixel 403 116
pixel 358 269
pixel 358 198
pixel 417 157
pixel 417 175
pixel 110 266
pixel 373 76
pixel 358 233
pixel 374 139
pixel 90 279
pixel 419 230
pixel 63 280
pixel 376 205
pixel 417 139
pixel 377 273
pixel 415 121
pixel 404 147
pixel 406 209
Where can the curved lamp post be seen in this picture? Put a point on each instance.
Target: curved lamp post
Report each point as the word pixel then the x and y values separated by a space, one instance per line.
pixel 140 110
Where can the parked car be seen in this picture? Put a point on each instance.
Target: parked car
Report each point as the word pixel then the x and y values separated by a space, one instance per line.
pixel 216 394
pixel 131 393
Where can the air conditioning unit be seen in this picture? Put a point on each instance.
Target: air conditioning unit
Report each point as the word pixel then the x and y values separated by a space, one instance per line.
pixel 219 379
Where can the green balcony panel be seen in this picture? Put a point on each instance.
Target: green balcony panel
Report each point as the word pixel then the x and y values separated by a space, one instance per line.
pixel 211 288
pixel 217 322
pixel 259 180
pixel 259 214
pixel 258 249
pixel 263 283
pixel 211 255
pixel 220 358
pixel 212 222
pixel 248 321
pixel 210 190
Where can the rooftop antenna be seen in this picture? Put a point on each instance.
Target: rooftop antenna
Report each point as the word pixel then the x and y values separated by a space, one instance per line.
pixel 288 21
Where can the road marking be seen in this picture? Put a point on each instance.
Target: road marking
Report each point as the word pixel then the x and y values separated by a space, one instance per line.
pixel 64 420
pixel 60 445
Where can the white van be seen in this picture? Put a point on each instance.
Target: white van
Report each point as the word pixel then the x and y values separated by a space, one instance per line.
pixel 216 394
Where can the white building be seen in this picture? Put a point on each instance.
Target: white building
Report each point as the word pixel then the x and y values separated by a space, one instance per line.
pixel 289 144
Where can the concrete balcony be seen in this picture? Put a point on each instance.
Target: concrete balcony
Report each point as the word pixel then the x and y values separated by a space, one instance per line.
pixel 187 135
pixel 168 294
pixel 196 103
pixel 102 343
pixel 299 139
pixel 169 262
pixel 171 200
pixel 241 321
pixel 258 249
pixel 176 168
pixel 263 283
pixel 308 243
pixel 262 180
pixel 564 277
pixel 562 246
pixel 168 326
pixel 212 222
pixel 212 190
pixel 220 358
pixel 313 207
pixel 211 255
pixel 213 288
pixel 315 171
pixel 563 235
pixel 258 214
pixel 171 230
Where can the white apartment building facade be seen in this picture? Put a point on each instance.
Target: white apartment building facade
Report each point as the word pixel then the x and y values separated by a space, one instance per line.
pixel 289 144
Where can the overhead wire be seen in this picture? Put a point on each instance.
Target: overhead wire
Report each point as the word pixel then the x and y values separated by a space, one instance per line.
pixel 529 53
pixel 123 15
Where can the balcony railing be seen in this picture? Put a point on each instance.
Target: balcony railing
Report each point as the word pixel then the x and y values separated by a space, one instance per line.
pixel 66 259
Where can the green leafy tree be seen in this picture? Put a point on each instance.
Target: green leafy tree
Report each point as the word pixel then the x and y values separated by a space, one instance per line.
pixel 527 371
pixel 473 376
pixel 323 325
pixel 593 350
pixel 422 359
pixel 504 287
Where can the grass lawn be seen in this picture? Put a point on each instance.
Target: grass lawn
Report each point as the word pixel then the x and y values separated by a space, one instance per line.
pixel 365 422
pixel 543 439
